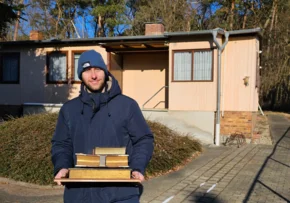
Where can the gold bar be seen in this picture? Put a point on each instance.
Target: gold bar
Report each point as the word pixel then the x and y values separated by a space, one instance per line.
pixel 109 150
pixel 87 160
pixel 100 173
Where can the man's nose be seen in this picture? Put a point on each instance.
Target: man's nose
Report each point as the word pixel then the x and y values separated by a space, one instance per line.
pixel 93 74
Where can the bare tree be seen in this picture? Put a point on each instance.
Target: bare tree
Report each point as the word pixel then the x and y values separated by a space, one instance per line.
pixel 176 15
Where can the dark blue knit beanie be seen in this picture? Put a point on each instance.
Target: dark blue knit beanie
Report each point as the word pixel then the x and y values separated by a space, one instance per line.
pixel 91 58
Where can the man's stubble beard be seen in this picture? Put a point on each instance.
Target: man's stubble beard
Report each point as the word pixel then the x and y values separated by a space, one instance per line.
pixel 90 89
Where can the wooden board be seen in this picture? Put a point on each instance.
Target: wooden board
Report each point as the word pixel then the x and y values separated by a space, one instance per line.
pixel 78 180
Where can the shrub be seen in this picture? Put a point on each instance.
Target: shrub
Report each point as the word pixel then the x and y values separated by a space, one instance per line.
pixel 26 142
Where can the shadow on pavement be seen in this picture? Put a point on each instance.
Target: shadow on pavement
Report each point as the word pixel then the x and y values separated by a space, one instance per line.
pixel 205 198
pixel 257 181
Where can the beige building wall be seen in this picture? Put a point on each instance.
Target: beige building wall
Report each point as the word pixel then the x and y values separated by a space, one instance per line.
pixel 257 74
pixel 10 94
pixel 116 67
pixel 192 96
pixel 33 86
pixel 239 61
pixel 143 75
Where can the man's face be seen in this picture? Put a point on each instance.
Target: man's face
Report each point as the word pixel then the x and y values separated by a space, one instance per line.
pixel 93 78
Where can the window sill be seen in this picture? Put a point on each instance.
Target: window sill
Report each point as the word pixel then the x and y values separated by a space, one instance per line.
pixel 76 82
pixel 9 83
pixel 56 82
pixel 192 81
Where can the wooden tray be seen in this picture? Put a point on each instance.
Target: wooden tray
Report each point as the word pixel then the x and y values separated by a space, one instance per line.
pixel 79 180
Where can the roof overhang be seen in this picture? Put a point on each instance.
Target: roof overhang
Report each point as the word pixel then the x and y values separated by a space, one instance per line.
pixel 141 46
pixel 130 43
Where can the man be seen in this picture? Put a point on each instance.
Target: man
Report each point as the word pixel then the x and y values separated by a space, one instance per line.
pixel 100 117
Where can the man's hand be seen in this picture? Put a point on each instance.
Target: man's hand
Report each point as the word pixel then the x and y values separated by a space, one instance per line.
pixel 61 174
pixel 138 175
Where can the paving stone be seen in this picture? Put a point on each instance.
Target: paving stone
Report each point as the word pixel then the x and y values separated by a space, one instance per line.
pixel 176 199
pixel 178 187
pixel 186 182
pixel 163 197
pixel 156 201
pixel 173 191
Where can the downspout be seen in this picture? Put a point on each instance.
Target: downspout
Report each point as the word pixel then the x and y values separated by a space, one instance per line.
pixel 220 49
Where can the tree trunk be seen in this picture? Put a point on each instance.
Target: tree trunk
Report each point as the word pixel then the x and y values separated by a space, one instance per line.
pixel 274 10
pixel 96 28
pixel 68 32
pixel 275 37
pixel 16 28
pixel 253 10
pixel 204 9
pixel 245 19
pixel 17 24
pixel 188 25
pixel 46 24
pixel 232 15
pixel 100 27
pixel 58 19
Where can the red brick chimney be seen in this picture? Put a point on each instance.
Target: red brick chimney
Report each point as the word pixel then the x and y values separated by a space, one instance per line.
pixel 154 29
pixel 35 35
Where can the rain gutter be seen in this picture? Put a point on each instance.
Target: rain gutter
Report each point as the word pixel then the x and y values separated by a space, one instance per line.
pixel 218 106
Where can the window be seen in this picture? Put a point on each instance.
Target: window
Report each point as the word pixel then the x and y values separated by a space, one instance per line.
pixel 57 67
pixel 195 65
pixel 75 60
pixel 182 66
pixel 9 68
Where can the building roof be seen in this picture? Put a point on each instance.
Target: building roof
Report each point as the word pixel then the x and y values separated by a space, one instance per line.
pixel 128 42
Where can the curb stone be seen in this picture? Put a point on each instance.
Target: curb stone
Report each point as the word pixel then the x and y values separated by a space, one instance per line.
pixel 29 185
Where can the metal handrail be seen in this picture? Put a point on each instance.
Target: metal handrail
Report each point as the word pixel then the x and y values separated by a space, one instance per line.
pixel 154 95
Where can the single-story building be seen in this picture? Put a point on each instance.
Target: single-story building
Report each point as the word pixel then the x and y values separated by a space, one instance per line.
pixel 209 79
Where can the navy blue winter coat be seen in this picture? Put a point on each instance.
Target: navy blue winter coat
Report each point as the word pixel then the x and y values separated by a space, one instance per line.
pixel 107 119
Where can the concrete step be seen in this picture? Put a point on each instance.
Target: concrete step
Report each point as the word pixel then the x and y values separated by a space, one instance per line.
pixel 155 110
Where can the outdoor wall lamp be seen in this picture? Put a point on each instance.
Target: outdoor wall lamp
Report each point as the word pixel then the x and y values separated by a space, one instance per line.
pixel 246 80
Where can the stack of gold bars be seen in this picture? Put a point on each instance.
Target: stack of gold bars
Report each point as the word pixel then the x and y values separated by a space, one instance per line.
pixel 104 164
